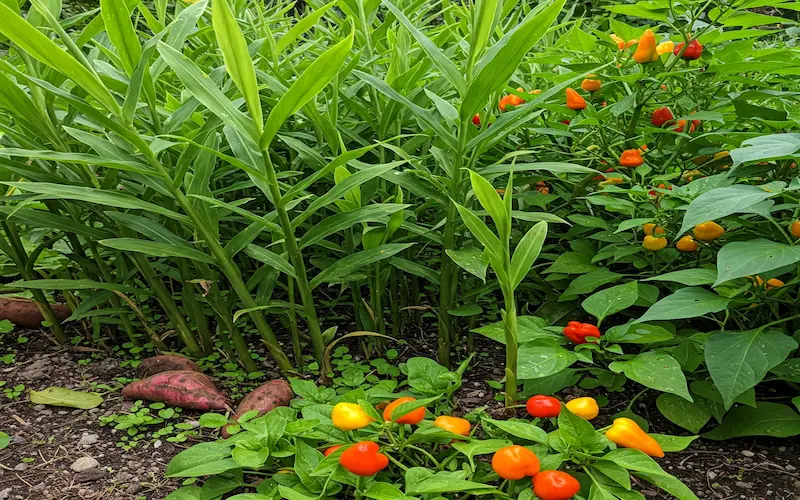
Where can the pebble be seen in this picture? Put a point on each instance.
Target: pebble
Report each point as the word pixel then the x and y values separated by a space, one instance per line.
pixel 711 475
pixel 743 485
pixel 790 468
pixel 194 423
pixel 781 449
pixel 84 463
pixel 21 467
pixel 748 453
pixel 133 488
pixel 88 439
pixel 157 444
pixel 38 407
pixel 4 494
pixel 649 493
pixel 39 487
pixel 18 440
pixel 89 475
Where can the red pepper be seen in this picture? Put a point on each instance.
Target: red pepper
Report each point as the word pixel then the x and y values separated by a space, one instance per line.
pixel 364 459
pixel 661 116
pixel 555 485
pixel 476 120
pixel 631 158
pixel 577 331
pixel 332 450
pixel 693 51
pixel 541 406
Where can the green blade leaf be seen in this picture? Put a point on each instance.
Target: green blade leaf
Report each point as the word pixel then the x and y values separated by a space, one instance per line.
pixel 340 270
pixel 43 49
pixel 301 27
pixel 236 56
pixel 527 251
pixel 338 222
pixel 271 259
pixel 496 67
pixel 315 78
pixel 156 249
pixel 117 18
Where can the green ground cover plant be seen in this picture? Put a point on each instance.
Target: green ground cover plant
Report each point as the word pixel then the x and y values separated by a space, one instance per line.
pixel 323 179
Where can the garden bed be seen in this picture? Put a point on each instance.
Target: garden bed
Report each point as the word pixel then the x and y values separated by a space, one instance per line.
pixel 753 468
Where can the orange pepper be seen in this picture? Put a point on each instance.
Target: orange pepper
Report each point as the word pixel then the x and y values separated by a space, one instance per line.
pixel 647 50
pixel 687 244
pixel 631 158
pixel 651 228
pixel 708 231
pixel 627 433
pixel 654 243
pixel 515 462
pixel 795 229
pixel 575 101
pixel 591 85
pixel 412 418
pixel 453 424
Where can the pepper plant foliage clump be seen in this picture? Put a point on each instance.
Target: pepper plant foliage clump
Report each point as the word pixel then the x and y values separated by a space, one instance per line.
pixel 629 174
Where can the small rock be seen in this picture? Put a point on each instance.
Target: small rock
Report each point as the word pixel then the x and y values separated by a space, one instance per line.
pixel 194 423
pixel 134 488
pixel 18 440
pixel 89 475
pixel 781 449
pixel 743 485
pixel 37 370
pixel 711 475
pixel 21 467
pixel 748 453
pixel 38 407
pixel 84 463
pixel 39 487
pixel 4 494
pixel 649 493
pixel 790 468
pixel 63 412
pixel 88 439
pixel 157 444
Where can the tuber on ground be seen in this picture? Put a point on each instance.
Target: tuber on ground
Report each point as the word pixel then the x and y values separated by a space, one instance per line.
pixel 25 312
pixel 181 388
pixel 165 363
pixel 263 398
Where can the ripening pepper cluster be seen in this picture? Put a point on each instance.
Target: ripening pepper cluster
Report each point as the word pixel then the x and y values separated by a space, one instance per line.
pixel 516 462
pixel 364 458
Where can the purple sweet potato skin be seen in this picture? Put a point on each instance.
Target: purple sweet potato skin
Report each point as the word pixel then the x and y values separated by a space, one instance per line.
pixel 182 388
pixel 264 398
pixel 25 312
pixel 165 363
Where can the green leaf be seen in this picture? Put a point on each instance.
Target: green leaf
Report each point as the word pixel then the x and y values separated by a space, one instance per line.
pixel 721 202
pixel 485 15
pixel 344 220
pixel 84 284
pixel 40 47
pixel 572 263
pixel 471 260
pixel 202 459
pixel 655 370
pixel 236 56
pixel 637 333
pixel 342 268
pixel 157 249
pixel 738 361
pixel 689 302
pixel 495 68
pixel 688 277
pixel 766 147
pixel 672 444
pixel 444 482
pixel 59 396
pixel 690 416
pixel 310 83
pixel 491 202
pixel 301 27
pixel 442 62
pixel 575 430
pixel 385 491
pixel 526 252
pixel 588 283
pixel 204 90
pixel 529 328
pixel 416 269
pixel 789 370
pixel 611 300
pixel 478 447
pixel 271 259
pixel 768 419
pixel 524 430
pixel 541 361
pixel 748 258
pixel 117 19
pixel 487 238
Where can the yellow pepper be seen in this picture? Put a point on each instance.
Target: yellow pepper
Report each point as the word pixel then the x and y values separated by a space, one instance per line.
pixel 349 417
pixel 665 47
pixel 585 408
pixel 619 41
pixel 654 243
pixel 627 433
pixel 708 231
pixel 646 51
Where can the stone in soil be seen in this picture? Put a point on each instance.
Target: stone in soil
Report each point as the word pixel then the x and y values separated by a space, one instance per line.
pixel 89 475
pixel 88 439
pixel 84 463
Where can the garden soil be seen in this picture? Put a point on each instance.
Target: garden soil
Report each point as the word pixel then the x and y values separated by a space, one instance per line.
pixel 48 443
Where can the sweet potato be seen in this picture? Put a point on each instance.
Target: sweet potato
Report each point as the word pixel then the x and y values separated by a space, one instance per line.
pixel 181 388
pixel 263 398
pixel 25 312
pixel 165 363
